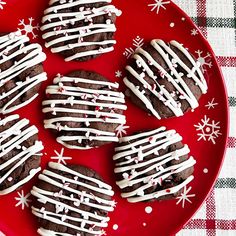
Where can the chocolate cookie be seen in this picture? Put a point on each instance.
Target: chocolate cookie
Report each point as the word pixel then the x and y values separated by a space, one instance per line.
pixel 71 200
pixel 152 165
pixel 19 153
pixel 21 71
pixel 165 79
pixel 80 30
pixel 84 110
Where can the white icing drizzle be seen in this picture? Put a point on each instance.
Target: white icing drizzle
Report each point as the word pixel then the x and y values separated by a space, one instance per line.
pixel 17 137
pixel 131 157
pixel 173 76
pixel 98 101
pixel 32 55
pixel 90 219
pixel 54 22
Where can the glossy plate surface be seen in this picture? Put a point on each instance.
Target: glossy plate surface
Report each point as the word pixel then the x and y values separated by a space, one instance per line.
pixel 210 121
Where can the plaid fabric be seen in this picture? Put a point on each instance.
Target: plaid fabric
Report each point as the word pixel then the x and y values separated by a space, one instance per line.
pixel 217 20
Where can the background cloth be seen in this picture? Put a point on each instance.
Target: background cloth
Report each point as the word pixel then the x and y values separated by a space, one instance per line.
pixel 217 20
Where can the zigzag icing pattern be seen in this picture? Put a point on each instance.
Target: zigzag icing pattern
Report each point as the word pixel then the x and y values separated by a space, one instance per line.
pixel 130 157
pixel 96 99
pixel 33 55
pixel 90 220
pixel 19 134
pixel 145 61
pixel 55 21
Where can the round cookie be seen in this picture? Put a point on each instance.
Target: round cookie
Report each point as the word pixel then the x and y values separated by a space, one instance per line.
pixel 71 200
pixel 84 110
pixel 165 79
pixel 153 165
pixel 19 153
pixel 21 71
pixel 80 30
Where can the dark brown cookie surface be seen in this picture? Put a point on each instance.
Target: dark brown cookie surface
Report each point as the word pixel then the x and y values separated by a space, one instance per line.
pixel 19 153
pixel 80 30
pixel 73 200
pixel 84 110
pixel 152 165
pixel 21 71
pixel 164 79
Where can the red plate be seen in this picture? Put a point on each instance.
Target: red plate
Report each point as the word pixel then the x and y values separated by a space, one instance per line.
pixel 205 130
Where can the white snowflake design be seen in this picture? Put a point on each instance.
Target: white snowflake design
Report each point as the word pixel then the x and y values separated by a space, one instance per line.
pixel 60 157
pixel 209 130
pixel 158 4
pixel 28 28
pixel 128 52
pixel 120 130
pixel 137 43
pixel 184 196
pixel 194 32
pixel 118 74
pixel 22 200
pixel 1 4
pixel 211 104
pixel 204 60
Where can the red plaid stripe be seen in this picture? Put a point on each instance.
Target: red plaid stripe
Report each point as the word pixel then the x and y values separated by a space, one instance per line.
pixel 231 142
pixel 227 61
pixel 210 223
pixel 201 16
pixel 196 224
pixel 219 224
pixel 211 214
pixel 226 224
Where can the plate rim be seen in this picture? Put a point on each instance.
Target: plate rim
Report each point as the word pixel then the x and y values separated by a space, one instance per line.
pixel 176 8
pixel 227 116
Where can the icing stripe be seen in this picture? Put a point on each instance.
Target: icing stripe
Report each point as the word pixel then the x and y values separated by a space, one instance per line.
pixel 91 219
pixel 19 136
pixel 82 1
pixel 173 105
pixel 161 193
pixel 54 21
pixel 141 96
pixel 80 95
pixel 145 61
pixel 45 232
pixel 99 100
pixel 133 163
pixel 33 55
pixel 187 92
pixel 202 83
pixel 83 80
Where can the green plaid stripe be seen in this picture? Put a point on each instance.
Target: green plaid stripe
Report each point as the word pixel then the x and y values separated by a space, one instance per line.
pixel 218 26
pixel 226 183
pixel 216 22
pixel 235 9
pixel 195 20
pixel 235 20
pixel 232 101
